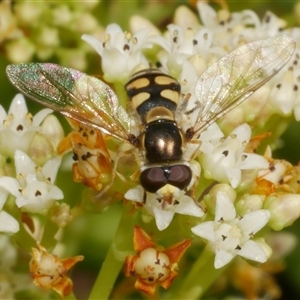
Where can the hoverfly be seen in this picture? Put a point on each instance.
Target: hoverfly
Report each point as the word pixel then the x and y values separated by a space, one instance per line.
pixel 161 126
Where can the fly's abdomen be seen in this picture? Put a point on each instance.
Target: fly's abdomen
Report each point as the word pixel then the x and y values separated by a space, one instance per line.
pixel 152 88
pixel 155 96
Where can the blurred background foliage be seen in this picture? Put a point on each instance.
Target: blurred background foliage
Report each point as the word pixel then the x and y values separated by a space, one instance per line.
pixel 95 231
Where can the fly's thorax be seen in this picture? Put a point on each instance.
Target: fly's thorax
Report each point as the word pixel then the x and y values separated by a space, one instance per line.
pixel 151 88
pixel 162 141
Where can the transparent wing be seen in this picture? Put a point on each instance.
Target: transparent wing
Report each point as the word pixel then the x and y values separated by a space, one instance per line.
pixel 235 77
pixel 73 94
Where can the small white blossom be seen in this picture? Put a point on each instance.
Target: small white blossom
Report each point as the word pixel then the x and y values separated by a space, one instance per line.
pixel 284 93
pixel 231 30
pixel 121 53
pixel 52 130
pixel 182 46
pixel 167 201
pixel 229 235
pixel 18 126
pixel 161 210
pixel 224 159
pixel 34 189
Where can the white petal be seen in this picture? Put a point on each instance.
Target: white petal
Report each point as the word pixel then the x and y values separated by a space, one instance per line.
pixel 222 258
pixel 234 176
pixel 96 44
pixel 243 133
pixel 55 193
pixel 212 133
pixel 254 221
pixel 21 201
pixel 205 230
pixel 253 251
pixel 114 64
pixel 18 106
pixel 252 161
pixel 50 168
pixel 135 194
pixel 163 218
pixel 24 164
pixel 8 223
pixel 187 206
pixel 10 184
pixel 207 14
pixel 35 206
pixel 224 208
pixel 40 116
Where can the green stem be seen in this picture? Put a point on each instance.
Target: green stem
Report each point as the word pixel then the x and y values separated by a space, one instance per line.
pixel 122 245
pixel 200 278
pixel 120 91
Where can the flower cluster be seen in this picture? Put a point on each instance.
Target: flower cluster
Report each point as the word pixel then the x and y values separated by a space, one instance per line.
pixel 29 165
pixel 242 192
pixel 45 30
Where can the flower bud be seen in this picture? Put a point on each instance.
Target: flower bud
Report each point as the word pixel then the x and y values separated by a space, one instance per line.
pixel 249 203
pixel 27 13
pixel 20 50
pixel 210 199
pixel 284 209
pixel 61 214
pixel 185 18
pixel 40 149
pixel 52 130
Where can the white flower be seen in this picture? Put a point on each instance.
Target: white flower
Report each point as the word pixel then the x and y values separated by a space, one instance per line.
pixel 183 46
pixel 232 29
pixel 284 94
pixel 162 211
pixel 224 159
pixel 33 188
pixel 18 126
pixel 121 53
pixel 167 201
pixel 229 235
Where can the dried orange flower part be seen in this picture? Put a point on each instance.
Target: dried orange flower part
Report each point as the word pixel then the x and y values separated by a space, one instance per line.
pixel 152 265
pixel 92 164
pixel 276 177
pixel 50 272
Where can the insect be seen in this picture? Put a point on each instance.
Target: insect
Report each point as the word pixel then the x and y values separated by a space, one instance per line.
pixel 161 126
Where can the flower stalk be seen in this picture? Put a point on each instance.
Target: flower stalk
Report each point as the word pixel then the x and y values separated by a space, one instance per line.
pixel 120 247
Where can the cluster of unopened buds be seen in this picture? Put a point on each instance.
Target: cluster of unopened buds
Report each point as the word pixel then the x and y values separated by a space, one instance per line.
pixel 232 197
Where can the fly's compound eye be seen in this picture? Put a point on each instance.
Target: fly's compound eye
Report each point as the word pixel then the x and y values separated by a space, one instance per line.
pixel 153 179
